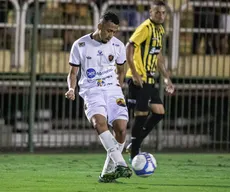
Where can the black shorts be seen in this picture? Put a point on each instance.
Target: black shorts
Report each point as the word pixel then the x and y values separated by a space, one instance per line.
pixel 139 98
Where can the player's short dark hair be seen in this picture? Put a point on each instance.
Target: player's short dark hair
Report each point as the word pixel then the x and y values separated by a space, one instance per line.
pixel 110 16
pixel 159 3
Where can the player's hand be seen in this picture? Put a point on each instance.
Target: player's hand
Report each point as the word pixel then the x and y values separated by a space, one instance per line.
pixel 170 88
pixel 70 94
pixel 137 80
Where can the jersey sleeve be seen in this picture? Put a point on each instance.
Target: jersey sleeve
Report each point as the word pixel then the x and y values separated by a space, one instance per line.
pixel 140 35
pixel 74 57
pixel 121 59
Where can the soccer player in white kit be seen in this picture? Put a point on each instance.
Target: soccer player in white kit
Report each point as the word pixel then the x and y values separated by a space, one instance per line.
pixel 100 58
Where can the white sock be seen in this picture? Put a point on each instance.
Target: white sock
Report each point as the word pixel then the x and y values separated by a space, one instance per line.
pixel 109 165
pixel 112 147
pixel 121 146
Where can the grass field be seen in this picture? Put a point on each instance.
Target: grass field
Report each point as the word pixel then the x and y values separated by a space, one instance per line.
pixel 79 173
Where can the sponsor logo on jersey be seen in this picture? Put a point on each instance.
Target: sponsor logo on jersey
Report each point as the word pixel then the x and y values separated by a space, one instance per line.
pixel 121 102
pixel 91 73
pixel 107 77
pixel 155 50
pixel 100 83
pixel 104 72
pixel 81 44
pixel 115 44
pixel 111 57
pixel 88 57
pixel 99 53
pixel 152 73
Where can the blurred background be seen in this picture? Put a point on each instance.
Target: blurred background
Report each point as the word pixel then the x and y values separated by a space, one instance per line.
pixel 35 40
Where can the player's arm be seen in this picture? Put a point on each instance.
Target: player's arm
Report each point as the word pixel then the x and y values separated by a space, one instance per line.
pixel 72 77
pixel 139 36
pixel 162 69
pixel 74 61
pixel 121 74
pixel 130 53
pixel 72 81
pixel 130 48
pixel 161 66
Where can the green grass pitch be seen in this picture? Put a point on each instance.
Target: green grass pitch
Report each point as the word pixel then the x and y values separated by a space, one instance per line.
pixel 79 173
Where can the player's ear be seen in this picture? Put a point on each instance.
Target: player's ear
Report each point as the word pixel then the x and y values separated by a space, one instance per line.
pixel 150 10
pixel 99 26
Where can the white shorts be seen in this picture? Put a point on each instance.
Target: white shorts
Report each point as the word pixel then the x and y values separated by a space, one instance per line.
pixel 110 103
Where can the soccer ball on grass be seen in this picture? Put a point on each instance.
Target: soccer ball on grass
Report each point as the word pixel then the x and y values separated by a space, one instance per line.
pixel 144 164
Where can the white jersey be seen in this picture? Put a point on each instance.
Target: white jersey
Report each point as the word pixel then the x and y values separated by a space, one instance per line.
pixel 97 62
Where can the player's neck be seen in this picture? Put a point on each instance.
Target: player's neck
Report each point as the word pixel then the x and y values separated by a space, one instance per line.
pixel 156 24
pixel 96 36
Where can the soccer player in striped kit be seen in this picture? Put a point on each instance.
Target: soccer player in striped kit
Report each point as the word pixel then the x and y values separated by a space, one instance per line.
pixel 144 57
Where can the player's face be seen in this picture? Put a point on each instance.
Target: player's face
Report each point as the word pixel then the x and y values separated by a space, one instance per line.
pixel 107 30
pixel 158 14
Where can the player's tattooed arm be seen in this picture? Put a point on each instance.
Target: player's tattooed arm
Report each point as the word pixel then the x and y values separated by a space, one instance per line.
pixel 121 73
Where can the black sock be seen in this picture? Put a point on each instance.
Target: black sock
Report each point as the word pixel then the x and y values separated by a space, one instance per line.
pixel 151 122
pixel 136 132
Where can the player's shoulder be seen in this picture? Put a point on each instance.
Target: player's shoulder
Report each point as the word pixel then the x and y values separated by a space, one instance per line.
pixel 145 23
pixel 116 42
pixel 149 23
pixel 143 26
pixel 82 41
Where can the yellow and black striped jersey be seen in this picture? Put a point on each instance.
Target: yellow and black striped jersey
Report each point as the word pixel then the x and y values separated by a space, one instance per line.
pixel 147 40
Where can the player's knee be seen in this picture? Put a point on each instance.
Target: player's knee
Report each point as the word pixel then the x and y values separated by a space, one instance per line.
pixel 119 128
pixel 157 108
pixel 120 135
pixel 99 124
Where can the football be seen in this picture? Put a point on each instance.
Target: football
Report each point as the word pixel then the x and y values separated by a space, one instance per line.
pixel 144 164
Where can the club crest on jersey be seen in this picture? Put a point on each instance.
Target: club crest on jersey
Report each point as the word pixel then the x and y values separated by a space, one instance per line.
pixel 110 57
pixel 121 102
pixel 81 44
